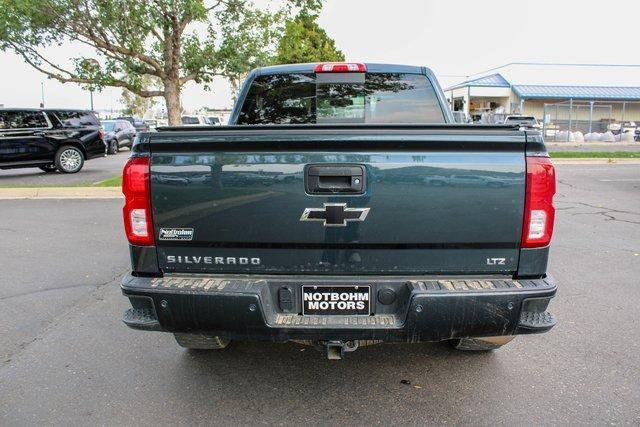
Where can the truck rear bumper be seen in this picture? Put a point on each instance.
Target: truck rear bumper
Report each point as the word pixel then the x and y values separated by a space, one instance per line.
pixel 422 309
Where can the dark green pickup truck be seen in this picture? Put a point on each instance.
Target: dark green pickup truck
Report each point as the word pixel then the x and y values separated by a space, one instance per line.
pixel 341 208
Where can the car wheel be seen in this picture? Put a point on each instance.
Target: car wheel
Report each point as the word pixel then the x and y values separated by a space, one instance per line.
pixel 201 342
pixel 481 344
pixel 69 159
pixel 48 168
pixel 113 147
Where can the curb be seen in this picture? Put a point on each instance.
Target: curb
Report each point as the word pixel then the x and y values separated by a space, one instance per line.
pixel 61 193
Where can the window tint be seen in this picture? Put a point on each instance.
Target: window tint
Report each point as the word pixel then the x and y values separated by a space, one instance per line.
pixel 108 126
pixel 22 120
pixel 76 118
pixel 281 99
pixel 300 98
pixel 401 98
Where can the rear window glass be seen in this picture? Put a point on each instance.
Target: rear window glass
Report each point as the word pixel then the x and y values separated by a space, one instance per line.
pixel 341 98
pixel 76 118
pixel 22 120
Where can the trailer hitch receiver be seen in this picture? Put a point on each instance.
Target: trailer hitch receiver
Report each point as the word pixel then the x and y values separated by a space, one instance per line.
pixel 335 350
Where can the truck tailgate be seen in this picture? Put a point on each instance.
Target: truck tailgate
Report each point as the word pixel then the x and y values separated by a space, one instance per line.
pixel 435 200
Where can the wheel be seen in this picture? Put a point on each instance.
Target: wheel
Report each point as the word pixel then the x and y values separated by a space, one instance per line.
pixel 481 344
pixel 48 168
pixel 113 147
pixel 201 342
pixel 69 159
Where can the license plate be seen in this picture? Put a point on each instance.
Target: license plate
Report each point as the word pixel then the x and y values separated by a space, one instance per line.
pixel 328 300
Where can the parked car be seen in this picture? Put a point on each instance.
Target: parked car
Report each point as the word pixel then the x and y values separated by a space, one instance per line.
pixel 361 250
pixel 118 133
pixel 49 139
pixel 618 128
pixel 195 121
pixel 139 124
pixel 151 123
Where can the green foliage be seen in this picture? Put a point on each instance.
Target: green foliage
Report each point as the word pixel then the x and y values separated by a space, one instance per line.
pixel 172 41
pixel 305 41
pixel 248 43
pixel 136 105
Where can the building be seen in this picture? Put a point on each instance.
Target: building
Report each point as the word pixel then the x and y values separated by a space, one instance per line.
pixel 582 97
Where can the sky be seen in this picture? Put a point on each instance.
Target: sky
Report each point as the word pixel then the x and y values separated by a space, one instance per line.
pixel 454 38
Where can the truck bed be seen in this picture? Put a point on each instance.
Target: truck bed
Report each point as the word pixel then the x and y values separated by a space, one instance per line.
pixel 440 199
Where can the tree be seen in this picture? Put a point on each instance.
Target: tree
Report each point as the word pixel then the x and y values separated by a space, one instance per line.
pixel 305 41
pixel 136 105
pixel 244 49
pixel 171 41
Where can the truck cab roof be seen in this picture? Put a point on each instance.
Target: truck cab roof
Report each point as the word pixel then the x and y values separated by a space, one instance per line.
pixel 310 67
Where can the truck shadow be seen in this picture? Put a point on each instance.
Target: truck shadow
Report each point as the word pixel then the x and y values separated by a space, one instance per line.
pixel 300 380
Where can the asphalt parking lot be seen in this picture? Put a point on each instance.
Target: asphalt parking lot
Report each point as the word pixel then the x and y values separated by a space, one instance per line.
pixel 66 358
pixel 93 171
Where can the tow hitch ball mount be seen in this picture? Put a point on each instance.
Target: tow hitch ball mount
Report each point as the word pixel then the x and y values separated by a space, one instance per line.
pixel 335 350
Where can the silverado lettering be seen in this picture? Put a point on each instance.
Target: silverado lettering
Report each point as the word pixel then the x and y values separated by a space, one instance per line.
pixel 379 216
pixel 212 260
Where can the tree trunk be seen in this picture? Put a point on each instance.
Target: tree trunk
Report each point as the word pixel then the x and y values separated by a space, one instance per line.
pixel 172 99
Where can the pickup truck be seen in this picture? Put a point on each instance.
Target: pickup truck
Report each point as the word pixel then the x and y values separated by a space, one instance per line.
pixel 315 217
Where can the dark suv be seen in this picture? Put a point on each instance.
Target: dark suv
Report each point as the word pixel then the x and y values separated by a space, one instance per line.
pixel 139 124
pixel 118 133
pixel 49 139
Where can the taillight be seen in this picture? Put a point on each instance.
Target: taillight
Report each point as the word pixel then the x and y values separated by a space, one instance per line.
pixel 539 212
pixel 101 133
pixel 340 67
pixel 137 206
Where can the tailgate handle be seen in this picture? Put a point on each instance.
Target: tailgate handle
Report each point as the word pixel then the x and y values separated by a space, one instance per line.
pixel 331 179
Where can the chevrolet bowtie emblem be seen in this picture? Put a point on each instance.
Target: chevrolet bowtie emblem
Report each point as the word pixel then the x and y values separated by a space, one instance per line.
pixel 335 214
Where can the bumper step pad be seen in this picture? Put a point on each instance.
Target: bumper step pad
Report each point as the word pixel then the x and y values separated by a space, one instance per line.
pixel 537 321
pixel 480 285
pixel 141 318
pixel 381 320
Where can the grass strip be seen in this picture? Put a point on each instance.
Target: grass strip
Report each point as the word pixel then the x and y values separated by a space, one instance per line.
pixel 595 154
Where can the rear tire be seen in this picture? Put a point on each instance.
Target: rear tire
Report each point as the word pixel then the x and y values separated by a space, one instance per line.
pixel 113 147
pixel 201 342
pixel 69 159
pixel 481 344
pixel 48 168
